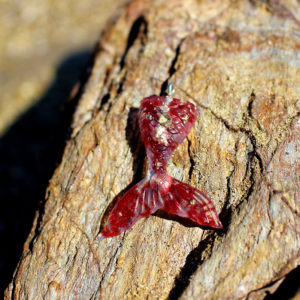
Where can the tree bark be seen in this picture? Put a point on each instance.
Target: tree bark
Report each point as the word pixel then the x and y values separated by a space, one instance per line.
pixel 238 61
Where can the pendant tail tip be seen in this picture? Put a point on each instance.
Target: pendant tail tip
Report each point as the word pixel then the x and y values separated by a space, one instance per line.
pixel 218 225
pixel 189 202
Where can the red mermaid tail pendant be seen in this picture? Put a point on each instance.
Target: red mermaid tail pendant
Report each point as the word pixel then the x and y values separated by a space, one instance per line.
pixel 164 122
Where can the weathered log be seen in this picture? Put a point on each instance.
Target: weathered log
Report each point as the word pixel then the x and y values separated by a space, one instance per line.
pixel 238 61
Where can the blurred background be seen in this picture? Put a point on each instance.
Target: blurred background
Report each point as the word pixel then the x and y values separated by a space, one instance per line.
pixel 45 47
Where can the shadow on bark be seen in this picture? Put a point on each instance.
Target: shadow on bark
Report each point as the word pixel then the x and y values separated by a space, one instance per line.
pixel 289 288
pixel 29 153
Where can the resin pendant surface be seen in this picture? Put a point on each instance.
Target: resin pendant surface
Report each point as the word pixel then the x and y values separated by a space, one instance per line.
pixel 164 122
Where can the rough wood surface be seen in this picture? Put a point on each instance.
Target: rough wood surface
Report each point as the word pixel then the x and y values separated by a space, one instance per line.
pixel 238 61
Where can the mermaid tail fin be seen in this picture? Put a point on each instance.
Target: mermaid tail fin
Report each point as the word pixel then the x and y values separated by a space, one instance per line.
pixel 188 202
pixel 161 192
pixel 140 201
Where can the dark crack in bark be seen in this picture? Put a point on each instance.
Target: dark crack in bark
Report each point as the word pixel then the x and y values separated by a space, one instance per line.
pixel 104 100
pixel 140 26
pixel 289 287
pixel 192 161
pixel 172 68
pixel 226 212
pixel 250 104
pixel 121 84
pixel 193 261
